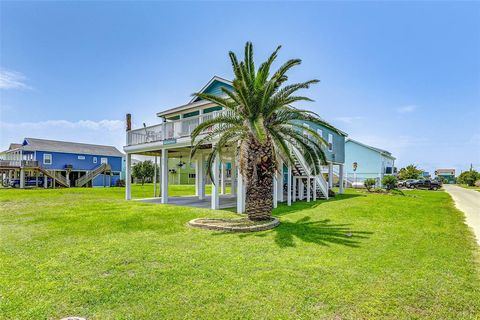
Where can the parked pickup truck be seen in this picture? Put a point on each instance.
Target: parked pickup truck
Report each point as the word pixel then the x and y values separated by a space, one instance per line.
pixel 29 182
pixel 426 184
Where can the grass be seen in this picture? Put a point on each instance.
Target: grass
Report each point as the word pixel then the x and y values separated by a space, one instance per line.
pixel 87 252
pixel 469 187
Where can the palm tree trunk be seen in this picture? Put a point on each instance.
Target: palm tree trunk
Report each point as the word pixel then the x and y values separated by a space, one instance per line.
pixel 258 166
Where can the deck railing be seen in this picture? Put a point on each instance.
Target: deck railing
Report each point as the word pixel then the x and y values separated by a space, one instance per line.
pixel 19 163
pixel 170 130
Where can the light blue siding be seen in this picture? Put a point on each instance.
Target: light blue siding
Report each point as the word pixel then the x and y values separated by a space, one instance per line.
pixel 215 88
pixel 370 163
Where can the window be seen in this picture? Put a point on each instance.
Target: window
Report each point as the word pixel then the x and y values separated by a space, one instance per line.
pixel 103 160
pixel 81 157
pixel 330 142
pixel 306 134
pixel 94 159
pixel 320 133
pixel 191 175
pixel 47 158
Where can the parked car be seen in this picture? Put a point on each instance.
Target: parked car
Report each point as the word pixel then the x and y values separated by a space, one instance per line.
pixel 426 184
pixel 29 182
pixel 405 183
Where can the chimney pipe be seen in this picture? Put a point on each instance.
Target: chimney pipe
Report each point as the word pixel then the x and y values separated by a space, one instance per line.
pixel 129 121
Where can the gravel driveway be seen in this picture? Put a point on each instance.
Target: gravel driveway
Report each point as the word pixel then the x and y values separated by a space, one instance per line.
pixel 467 201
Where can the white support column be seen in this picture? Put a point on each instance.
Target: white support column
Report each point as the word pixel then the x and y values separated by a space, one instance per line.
pixel 215 184
pixel 280 182
pixel 128 177
pixel 275 191
pixel 240 192
pixel 164 182
pixel 200 177
pixel 223 184
pixel 22 178
pixel 330 175
pixel 314 189
pixel 45 181
pixel 289 185
pixel 301 189
pixel 341 178
pixel 309 191
pixel 36 179
pixel 155 178
pixel 294 189
pixel 233 176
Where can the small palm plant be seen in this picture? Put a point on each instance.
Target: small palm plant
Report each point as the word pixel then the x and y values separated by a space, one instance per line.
pixel 261 123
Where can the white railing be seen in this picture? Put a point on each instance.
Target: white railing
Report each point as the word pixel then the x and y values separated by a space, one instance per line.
pixel 171 129
pixel 19 163
pixel 320 179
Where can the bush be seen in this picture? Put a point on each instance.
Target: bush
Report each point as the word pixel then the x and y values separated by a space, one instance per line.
pixel 369 184
pixel 120 183
pixel 468 177
pixel 389 182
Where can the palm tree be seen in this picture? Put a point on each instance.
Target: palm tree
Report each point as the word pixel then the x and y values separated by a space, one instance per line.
pixel 261 123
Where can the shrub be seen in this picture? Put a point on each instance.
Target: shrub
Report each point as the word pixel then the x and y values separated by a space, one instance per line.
pixel 469 177
pixel 120 183
pixel 390 182
pixel 369 184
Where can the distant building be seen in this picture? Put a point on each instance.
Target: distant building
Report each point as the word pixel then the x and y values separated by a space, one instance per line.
pixel 447 174
pixel 425 174
pixel 366 162
pixel 40 162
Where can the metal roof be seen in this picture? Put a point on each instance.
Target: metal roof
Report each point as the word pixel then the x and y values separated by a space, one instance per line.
pixel 34 144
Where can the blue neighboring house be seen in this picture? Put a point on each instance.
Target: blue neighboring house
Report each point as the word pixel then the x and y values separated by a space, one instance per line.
pixel 366 162
pixel 69 163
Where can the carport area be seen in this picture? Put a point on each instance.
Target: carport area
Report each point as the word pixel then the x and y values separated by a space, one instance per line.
pixel 225 201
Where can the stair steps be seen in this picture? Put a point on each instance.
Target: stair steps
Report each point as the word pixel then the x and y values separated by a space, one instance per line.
pixel 92 174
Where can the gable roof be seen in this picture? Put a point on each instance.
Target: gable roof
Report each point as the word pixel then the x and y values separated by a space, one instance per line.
pixel 381 151
pixel 34 144
pixel 209 83
pixel 14 146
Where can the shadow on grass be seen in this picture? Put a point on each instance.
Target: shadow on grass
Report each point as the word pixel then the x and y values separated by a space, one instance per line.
pixel 300 205
pixel 321 232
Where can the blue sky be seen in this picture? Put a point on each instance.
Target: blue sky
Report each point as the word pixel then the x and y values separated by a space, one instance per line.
pixel 402 76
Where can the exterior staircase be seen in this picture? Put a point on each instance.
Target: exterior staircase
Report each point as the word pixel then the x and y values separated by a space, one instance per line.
pixel 80 182
pixel 57 176
pixel 302 169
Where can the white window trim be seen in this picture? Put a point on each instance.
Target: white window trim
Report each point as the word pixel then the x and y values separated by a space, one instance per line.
pixel 47 156
pixel 330 142
pixel 95 160
pixel 104 160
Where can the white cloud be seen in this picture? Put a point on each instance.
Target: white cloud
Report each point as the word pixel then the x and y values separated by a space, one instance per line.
pixel 106 132
pixel 110 125
pixel 349 120
pixel 407 109
pixel 12 80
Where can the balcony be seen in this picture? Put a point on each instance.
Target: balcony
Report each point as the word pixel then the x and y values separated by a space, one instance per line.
pixel 169 131
pixel 18 164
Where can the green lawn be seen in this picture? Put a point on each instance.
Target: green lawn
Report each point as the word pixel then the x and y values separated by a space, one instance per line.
pixel 87 252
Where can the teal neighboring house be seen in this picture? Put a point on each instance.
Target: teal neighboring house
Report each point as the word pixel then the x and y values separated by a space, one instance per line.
pixel 170 140
pixel 366 162
pixel 447 174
